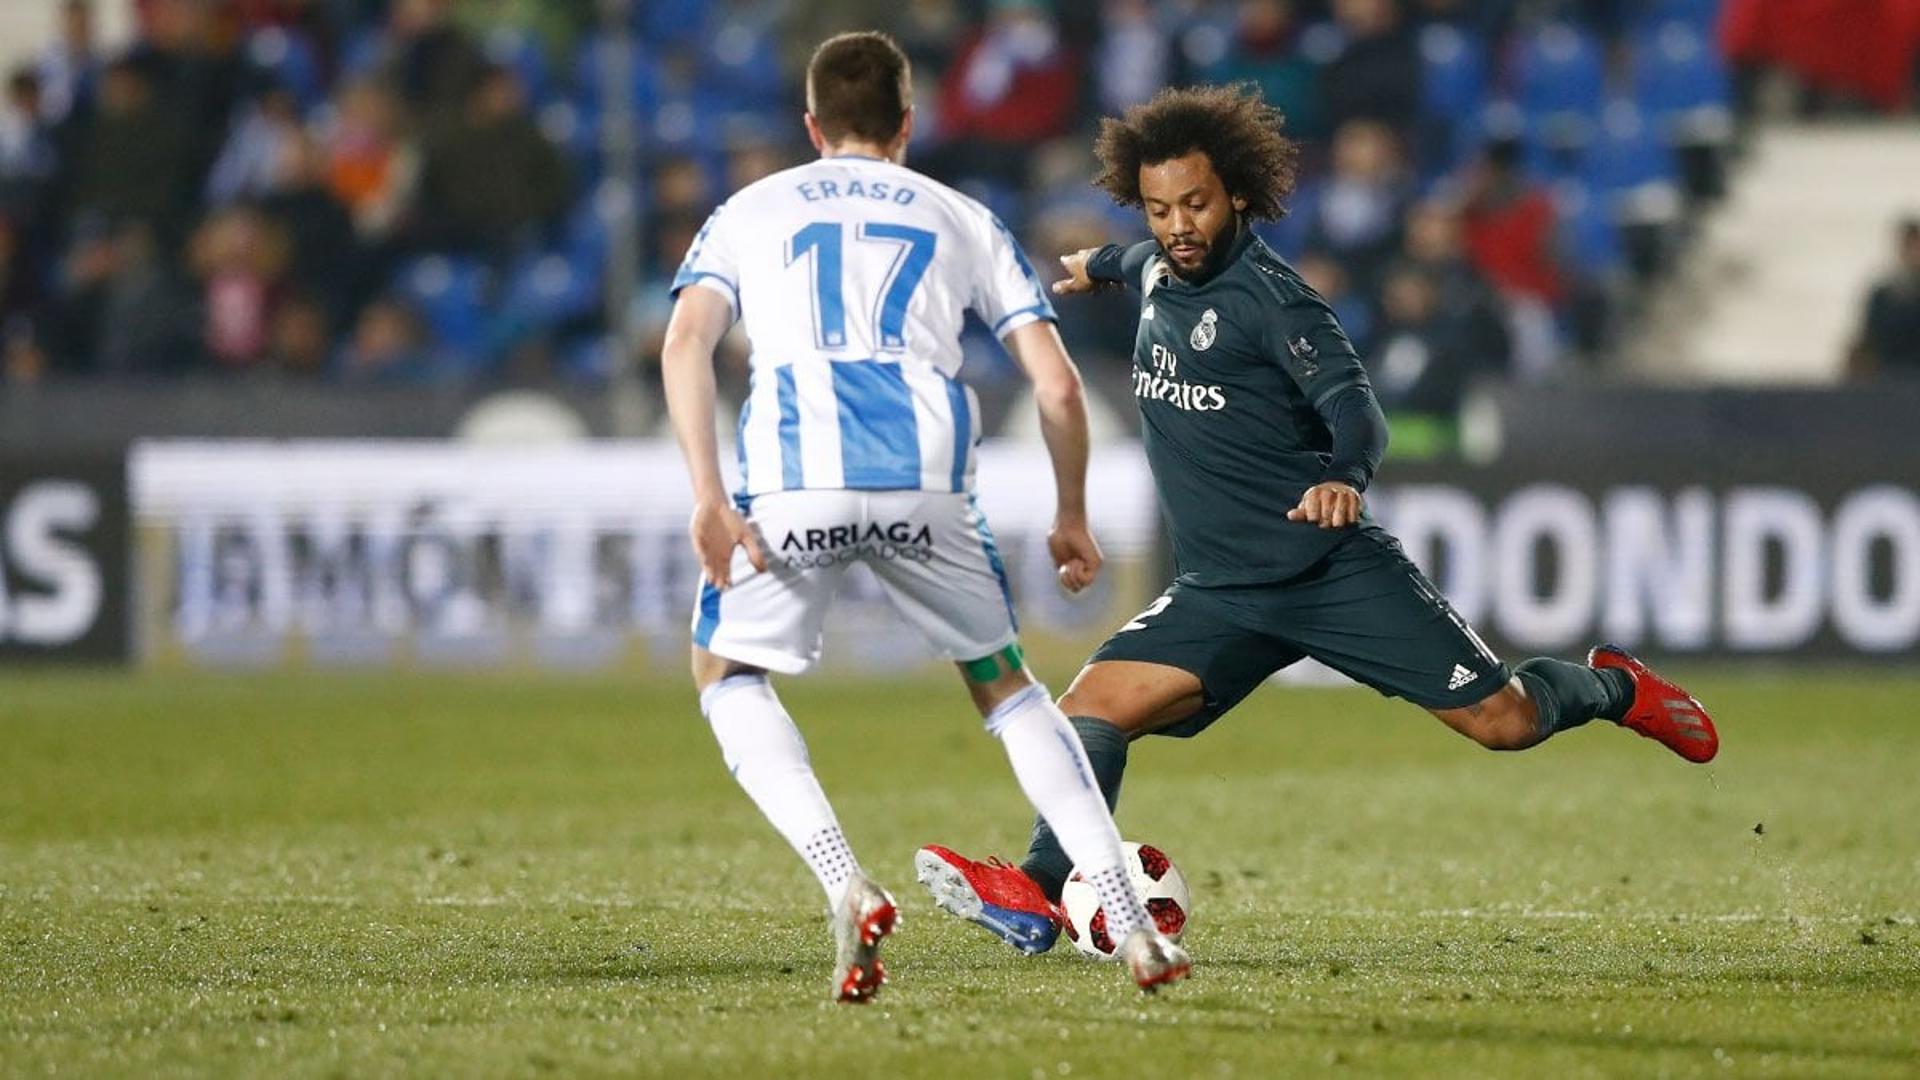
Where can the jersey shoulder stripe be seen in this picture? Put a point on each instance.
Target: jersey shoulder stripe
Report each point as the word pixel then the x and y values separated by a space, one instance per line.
pixel 1281 281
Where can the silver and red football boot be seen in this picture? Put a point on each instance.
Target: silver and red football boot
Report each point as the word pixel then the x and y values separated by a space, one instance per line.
pixel 866 916
pixel 1153 960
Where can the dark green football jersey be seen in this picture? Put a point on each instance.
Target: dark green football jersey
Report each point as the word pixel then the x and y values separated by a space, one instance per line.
pixel 1230 375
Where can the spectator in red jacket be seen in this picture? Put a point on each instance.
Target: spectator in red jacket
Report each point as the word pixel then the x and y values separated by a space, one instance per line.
pixel 1510 227
pixel 1860 50
pixel 1013 83
pixel 1510 233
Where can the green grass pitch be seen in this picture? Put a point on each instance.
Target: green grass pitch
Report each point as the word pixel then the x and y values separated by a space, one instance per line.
pixel 503 875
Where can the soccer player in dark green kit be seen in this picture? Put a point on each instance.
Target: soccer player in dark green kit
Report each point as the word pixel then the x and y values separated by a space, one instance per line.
pixel 1262 433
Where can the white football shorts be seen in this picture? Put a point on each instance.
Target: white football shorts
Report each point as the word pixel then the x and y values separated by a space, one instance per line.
pixel 931 551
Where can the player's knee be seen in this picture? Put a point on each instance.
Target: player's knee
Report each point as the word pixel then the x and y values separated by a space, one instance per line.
pixel 1100 703
pixel 708 669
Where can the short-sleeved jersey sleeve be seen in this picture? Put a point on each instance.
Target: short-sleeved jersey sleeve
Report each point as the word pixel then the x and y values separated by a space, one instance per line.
pixel 1007 293
pixel 1305 338
pixel 712 259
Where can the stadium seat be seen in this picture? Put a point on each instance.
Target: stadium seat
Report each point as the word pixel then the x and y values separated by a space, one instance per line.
pixel 1454 84
pixel 675 22
pixel 741 64
pixel 1681 83
pixel 1560 79
pixel 589 64
pixel 1587 230
pixel 591 358
pixel 1701 15
pixel 451 295
pixel 1678 72
pixel 1551 161
pixel 1454 66
pixel 1500 119
pixel 577 135
pixel 543 294
pixel 291 61
pixel 687 121
pixel 1633 167
pixel 363 52
pixel 588 227
pixel 1634 176
pixel 548 289
pixel 523 54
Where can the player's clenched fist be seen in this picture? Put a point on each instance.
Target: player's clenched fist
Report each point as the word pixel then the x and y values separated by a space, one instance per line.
pixel 1330 505
pixel 1076 280
pixel 717 528
pixel 1075 552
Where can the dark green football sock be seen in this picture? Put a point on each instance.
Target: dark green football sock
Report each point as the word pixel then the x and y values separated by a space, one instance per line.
pixel 1106 746
pixel 1568 695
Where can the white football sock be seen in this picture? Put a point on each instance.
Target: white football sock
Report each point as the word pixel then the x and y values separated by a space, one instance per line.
pixel 1052 769
pixel 768 757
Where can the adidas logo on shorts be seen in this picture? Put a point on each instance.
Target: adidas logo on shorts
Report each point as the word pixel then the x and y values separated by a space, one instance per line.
pixel 1461 677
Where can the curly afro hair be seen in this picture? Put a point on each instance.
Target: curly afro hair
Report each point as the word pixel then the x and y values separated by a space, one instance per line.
pixel 1237 130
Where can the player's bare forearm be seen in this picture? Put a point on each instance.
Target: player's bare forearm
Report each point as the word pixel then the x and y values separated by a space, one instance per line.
pixel 1077 279
pixel 1063 427
pixel 1061 399
pixel 1062 402
pixel 700 320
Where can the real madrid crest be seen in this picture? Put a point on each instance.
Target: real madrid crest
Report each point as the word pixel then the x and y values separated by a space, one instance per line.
pixel 1303 351
pixel 1205 331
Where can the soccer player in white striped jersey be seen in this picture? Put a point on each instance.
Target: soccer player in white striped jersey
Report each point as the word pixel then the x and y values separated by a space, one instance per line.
pixel 852 275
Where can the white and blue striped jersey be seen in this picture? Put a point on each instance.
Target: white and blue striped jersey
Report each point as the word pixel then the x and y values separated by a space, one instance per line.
pixel 853 277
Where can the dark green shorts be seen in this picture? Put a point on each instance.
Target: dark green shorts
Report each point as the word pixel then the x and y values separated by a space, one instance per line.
pixel 1365 611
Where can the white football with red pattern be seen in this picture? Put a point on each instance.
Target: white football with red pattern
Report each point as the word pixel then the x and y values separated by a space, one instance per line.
pixel 1162 888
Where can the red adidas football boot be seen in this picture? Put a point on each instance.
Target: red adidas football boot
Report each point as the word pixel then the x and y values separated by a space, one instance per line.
pixel 993 895
pixel 1661 710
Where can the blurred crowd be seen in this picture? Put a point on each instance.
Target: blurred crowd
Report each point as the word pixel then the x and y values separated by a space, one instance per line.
pixel 418 191
pixel 278 185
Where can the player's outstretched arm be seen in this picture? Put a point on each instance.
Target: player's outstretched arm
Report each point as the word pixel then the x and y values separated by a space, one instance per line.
pixel 1057 390
pixel 1077 279
pixel 1092 269
pixel 700 319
